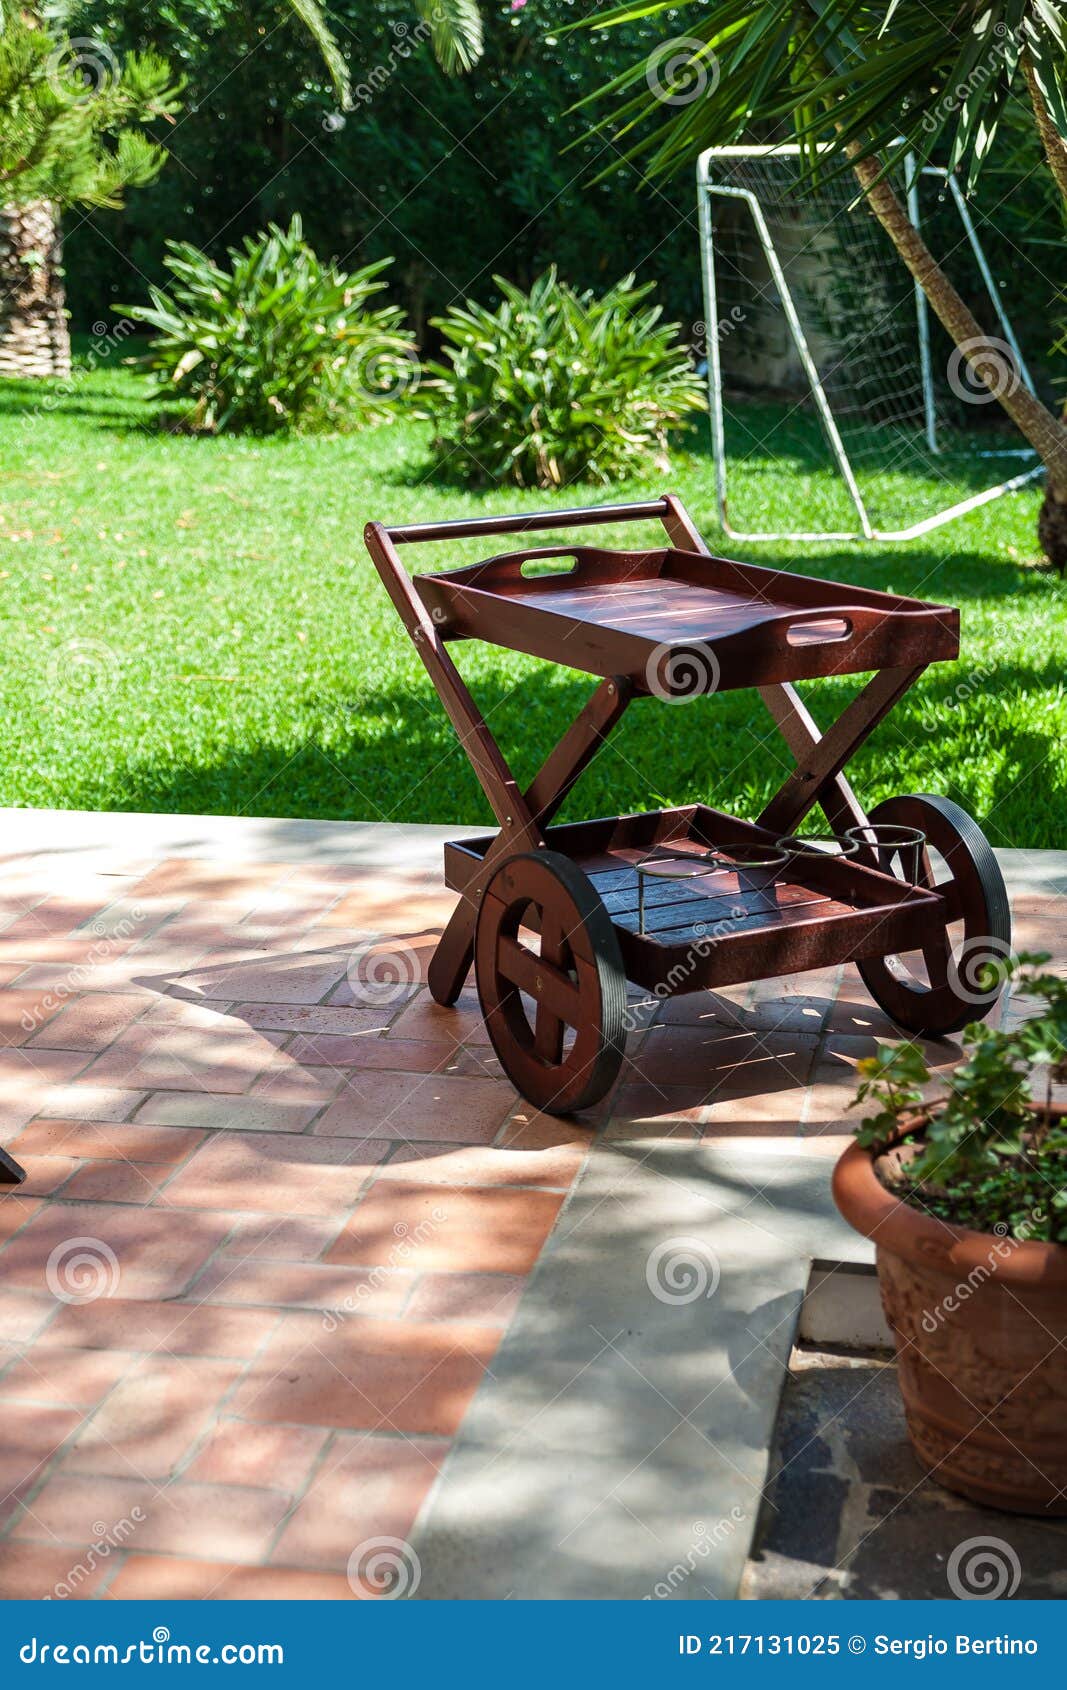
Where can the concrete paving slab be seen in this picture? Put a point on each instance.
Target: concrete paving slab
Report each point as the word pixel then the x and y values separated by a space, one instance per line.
pixel 620 1446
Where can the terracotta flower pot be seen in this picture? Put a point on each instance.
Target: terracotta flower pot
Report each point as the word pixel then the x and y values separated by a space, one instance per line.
pixel 980 1325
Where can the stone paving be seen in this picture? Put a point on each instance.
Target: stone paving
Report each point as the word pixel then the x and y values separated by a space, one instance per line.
pixel 851 1516
pixel 281 1208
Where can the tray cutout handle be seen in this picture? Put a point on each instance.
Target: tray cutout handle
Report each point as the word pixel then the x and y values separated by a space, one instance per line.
pixel 822 630
pixel 555 563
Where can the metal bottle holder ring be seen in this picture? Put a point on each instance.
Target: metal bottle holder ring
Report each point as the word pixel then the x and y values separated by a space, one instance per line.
pixel 742 858
pixel 819 845
pixel 665 864
pixel 747 856
pixel 884 838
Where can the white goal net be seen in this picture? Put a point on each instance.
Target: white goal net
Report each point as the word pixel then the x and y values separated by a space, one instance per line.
pixel 823 355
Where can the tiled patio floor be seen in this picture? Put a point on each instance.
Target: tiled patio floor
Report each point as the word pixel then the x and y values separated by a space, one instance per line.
pixel 281 1208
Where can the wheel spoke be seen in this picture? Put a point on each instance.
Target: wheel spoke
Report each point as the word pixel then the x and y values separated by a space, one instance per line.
pixel 540 980
pixel 936 955
pixel 953 899
pixel 548 1035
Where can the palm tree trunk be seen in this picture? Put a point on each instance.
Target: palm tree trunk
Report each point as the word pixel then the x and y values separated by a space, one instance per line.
pixel 1045 432
pixel 1052 523
pixel 34 338
pixel 1051 139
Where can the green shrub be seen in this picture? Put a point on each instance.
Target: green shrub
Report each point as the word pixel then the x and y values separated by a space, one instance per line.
pixel 277 341
pixel 556 386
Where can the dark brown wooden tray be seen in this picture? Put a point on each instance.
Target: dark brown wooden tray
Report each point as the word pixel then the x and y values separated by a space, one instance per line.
pixel 749 925
pixel 636 614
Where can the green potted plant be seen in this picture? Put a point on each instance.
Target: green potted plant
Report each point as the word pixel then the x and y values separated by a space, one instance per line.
pixel 965 1198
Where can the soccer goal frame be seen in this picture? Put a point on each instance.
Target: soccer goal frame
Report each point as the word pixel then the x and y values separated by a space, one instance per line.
pixel 708 190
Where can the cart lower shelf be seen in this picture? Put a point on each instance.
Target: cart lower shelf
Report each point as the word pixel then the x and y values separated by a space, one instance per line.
pixel 734 925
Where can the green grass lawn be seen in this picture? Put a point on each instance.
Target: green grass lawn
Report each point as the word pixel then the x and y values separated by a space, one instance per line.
pixel 193 625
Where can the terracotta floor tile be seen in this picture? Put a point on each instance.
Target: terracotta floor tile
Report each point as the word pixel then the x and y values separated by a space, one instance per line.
pixel 386 973
pixel 45 1175
pixel 724 1060
pixel 369 1050
pixel 166 1578
pixel 313 1087
pixel 153 1418
pixel 366 1487
pixel 439 1227
pixel 487 1299
pixel 239 1452
pixel 22 1316
pixel 23 943
pixel 30 1572
pixel 260 1114
pixel 528 1129
pixel 91 1021
pixel 188 877
pixel 141 1252
pixel 31 1080
pixel 238 1523
pixel 63 1377
pixel 724 1008
pixel 90 1140
pixel 22 1015
pixel 15 1212
pixel 431 1107
pixel 289 977
pixel 312 1018
pixel 273 1238
pixel 458 1023
pixel 32 1433
pixel 643 1109
pixel 485 1165
pixel 86 1101
pixel 179 1058
pixel 173 1328
pixel 759 1113
pixel 373 1375
pixel 291 1173
pixel 118 1182
pixel 306 1285
pixel 387 905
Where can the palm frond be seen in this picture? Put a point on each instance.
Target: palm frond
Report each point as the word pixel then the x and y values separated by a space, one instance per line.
pixel 455 32
pixel 313 18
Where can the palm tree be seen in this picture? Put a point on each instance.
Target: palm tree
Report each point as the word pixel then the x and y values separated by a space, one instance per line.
pixel 848 78
pixel 69 135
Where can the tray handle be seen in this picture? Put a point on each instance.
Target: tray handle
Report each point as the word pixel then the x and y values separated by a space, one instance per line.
pixel 837 624
pixel 532 522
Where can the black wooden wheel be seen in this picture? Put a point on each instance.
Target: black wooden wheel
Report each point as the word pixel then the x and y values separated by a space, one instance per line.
pixel 939 989
pixel 550 982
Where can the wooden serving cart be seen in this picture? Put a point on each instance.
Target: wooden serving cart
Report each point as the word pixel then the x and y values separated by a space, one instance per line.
pixel 557 919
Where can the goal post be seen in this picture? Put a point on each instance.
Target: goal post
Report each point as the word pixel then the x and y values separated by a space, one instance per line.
pixel 814 261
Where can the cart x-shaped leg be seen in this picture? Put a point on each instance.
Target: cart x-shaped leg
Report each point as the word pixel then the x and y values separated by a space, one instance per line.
pixel 524 815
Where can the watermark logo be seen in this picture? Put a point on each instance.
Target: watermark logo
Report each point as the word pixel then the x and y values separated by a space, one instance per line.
pixel 83 668
pixel 80 1270
pixel 984 1569
pixel 81 67
pixel 380 372
pixel 682 70
pixel 979 968
pixel 382 975
pixel 682 1270
pixel 384 1567
pixel 982 370
pixel 705 1538
pixel 676 674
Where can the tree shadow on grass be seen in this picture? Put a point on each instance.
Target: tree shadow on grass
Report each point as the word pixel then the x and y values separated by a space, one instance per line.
pixel 390 754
